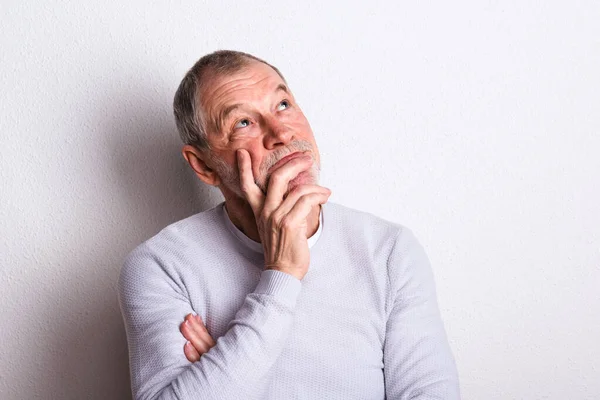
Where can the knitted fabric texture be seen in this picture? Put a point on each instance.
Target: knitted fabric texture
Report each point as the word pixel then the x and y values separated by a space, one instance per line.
pixel 362 324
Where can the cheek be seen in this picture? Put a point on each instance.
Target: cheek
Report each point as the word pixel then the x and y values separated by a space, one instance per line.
pixel 303 128
pixel 299 120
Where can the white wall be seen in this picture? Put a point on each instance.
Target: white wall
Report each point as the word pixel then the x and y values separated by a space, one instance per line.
pixel 475 124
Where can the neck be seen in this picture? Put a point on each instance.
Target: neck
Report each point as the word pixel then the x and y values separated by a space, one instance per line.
pixel 241 215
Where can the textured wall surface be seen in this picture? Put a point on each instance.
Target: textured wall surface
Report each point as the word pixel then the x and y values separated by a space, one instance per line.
pixel 475 124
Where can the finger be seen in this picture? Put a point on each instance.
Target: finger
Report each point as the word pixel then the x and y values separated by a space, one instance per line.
pixel 252 192
pixel 194 337
pixel 190 352
pixel 280 179
pixel 298 192
pixel 199 328
pixel 304 205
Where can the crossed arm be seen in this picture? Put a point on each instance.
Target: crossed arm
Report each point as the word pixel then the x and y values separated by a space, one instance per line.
pixel 418 363
pixel 417 360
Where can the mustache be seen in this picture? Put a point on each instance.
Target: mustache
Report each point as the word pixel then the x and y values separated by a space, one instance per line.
pixel 293 146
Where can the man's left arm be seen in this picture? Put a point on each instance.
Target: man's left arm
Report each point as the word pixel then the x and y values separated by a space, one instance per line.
pixel 418 363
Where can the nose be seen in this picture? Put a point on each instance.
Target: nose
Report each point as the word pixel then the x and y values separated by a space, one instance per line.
pixel 276 132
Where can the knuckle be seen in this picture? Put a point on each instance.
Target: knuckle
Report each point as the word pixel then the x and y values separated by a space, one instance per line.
pixel 276 218
pixel 307 198
pixel 202 348
pixel 300 190
pixel 277 178
pixel 305 201
pixel 311 199
pixel 244 187
pixel 287 222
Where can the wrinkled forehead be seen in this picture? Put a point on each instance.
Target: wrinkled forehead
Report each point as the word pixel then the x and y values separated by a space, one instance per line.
pixel 219 88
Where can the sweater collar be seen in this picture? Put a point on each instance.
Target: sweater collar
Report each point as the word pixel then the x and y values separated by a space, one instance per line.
pixel 256 246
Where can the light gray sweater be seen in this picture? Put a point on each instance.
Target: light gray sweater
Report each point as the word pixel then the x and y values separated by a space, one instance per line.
pixel 362 324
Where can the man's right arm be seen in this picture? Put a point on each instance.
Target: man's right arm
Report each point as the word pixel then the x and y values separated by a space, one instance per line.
pixel 154 303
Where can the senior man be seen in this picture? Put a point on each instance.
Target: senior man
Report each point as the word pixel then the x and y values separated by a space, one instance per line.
pixel 276 293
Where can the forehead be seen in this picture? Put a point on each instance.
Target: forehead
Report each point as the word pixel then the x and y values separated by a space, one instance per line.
pixel 252 81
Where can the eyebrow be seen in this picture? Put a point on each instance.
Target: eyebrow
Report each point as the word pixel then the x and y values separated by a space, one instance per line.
pixel 282 87
pixel 224 114
pixel 231 108
pixel 228 110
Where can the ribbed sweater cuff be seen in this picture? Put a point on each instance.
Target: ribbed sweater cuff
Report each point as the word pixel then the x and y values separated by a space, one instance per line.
pixel 280 285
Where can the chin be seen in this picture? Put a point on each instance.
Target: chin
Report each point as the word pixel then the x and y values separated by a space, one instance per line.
pixel 303 178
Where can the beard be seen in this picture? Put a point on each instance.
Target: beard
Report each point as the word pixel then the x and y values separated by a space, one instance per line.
pixel 230 175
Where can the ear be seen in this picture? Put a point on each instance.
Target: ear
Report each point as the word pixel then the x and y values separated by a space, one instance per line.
pixel 197 160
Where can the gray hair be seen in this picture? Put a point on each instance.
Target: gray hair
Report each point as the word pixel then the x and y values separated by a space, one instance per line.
pixel 187 104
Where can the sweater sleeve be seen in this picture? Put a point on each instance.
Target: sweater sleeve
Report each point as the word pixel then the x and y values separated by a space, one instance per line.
pixel 154 302
pixel 418 363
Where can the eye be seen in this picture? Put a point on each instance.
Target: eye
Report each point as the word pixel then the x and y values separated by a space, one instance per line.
pixel 283 105
pixel 242 123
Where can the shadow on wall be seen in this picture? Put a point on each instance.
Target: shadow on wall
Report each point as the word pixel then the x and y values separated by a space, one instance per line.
pixel 150 187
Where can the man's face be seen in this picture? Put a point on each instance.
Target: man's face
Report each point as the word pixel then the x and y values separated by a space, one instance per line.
pixel 253 109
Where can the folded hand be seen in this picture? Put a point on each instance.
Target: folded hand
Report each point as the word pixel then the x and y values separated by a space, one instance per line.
pixel 199 340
